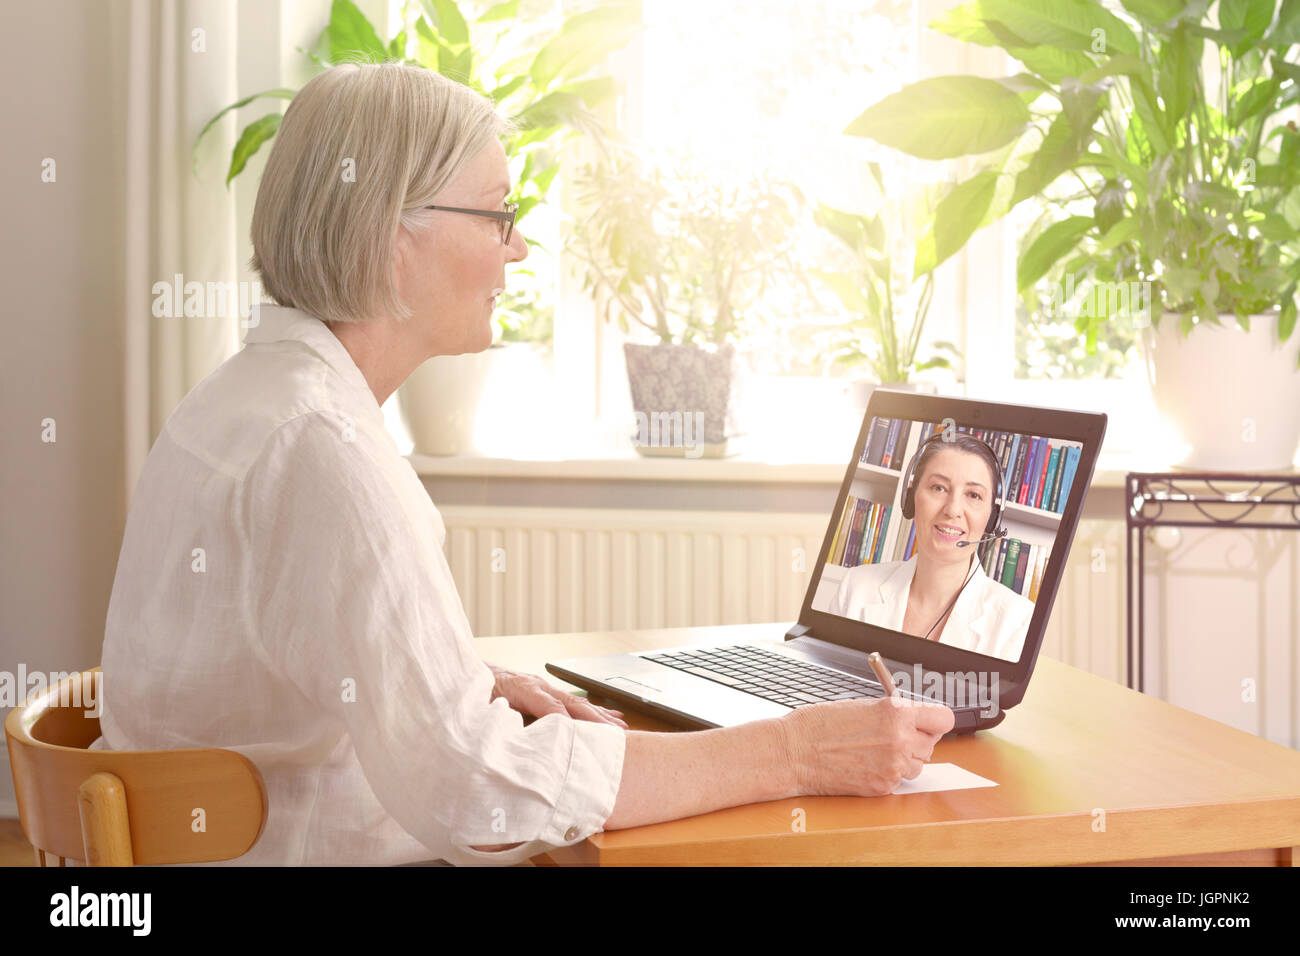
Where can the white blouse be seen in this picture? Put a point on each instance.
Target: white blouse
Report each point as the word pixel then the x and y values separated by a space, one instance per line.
pixel 282 592
pixel 988 618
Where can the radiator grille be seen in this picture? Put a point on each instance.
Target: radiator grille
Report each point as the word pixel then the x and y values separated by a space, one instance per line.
pixel 547 570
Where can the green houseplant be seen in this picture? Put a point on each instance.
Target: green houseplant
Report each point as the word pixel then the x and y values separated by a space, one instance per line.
pixel 684 259
pixel 1161 181
pixel 550 91
pixel 887 298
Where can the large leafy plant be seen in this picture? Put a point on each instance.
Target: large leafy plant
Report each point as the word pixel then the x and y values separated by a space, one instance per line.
pixel 678 252
pixel 882 290
pixel 1153 169
pixel 550 92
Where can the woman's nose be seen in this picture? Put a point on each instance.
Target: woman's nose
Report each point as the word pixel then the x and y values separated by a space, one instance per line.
pixel 518 247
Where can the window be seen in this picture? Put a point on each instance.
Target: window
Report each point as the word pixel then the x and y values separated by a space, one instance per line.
pixel 760 85
pixel 740 85
pixel 736 89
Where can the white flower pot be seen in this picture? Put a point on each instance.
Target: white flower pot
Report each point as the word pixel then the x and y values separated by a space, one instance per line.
pixel 1231 395
pixel 444 402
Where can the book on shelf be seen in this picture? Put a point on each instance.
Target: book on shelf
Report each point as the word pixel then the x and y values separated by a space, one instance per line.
pixel 1073 454
pixel 887 443
pixel 1038 573
pixel 855 535
pixel 1049 478
pixel 1026 477
pixel 890 440
pixel 1018 565
pixel 877 435
pixel 1031 472
pixel 1017 467
pixel 1008 575
pixel 886 514
pixel 903 548
pixel 841 538
pixel 1037 471
pixel 896 444
pixel 873 529
pixel 851 557
pixel 861 534
pixel 1023 561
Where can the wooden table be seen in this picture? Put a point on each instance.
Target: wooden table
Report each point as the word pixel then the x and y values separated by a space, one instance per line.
pixel 1089 772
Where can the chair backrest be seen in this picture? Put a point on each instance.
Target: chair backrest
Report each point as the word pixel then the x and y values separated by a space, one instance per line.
pixel 119 808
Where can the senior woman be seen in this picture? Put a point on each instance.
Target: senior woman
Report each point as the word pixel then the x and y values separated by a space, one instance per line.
pixel 282 589
pixel 941 593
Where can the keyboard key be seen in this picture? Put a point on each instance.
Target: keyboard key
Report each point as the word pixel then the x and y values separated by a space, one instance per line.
pixel 712 675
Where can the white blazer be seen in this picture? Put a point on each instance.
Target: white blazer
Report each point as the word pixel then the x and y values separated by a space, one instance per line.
pixel 988 618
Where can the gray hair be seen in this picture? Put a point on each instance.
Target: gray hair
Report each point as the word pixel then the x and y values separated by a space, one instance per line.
pixel 324 243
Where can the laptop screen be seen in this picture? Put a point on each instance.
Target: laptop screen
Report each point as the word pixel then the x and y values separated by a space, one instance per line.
pixel 947 529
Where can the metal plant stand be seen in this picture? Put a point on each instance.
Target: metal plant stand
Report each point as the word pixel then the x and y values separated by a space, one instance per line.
pixel 1197 500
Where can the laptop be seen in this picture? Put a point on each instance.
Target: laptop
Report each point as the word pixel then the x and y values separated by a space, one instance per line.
pixel 943 553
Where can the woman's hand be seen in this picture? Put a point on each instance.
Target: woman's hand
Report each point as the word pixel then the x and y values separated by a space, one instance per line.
pixel 529 694
pixel 863 748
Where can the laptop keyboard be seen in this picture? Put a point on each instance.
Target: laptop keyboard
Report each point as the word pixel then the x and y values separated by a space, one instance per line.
pixel 774 677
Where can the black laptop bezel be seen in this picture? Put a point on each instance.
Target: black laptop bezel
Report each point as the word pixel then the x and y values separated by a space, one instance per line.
pixel 1089 428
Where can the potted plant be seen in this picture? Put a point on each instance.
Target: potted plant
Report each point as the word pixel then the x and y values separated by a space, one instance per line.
pixel 886 288
pixel 677 254
pixel 1164 184
pixel 549 93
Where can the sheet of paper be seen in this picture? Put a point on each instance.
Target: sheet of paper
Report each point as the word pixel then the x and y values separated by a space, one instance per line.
pixel 943 776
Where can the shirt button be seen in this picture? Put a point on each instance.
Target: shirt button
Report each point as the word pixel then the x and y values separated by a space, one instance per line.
pixel 570 834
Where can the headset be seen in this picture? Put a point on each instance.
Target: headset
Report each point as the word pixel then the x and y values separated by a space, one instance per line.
pixel 995 513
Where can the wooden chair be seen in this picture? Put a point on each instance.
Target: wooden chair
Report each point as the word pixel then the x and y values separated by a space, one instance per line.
pixel 122 808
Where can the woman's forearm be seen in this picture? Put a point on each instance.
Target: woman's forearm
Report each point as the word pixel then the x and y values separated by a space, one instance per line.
pixel 667 776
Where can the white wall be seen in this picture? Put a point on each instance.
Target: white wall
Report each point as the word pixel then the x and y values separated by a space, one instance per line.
pixel 61 520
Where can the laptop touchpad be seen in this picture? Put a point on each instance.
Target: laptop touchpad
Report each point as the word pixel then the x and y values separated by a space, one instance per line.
pixel 637 687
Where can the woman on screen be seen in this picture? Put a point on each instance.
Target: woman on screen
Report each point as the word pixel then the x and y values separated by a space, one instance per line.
pixel 941 593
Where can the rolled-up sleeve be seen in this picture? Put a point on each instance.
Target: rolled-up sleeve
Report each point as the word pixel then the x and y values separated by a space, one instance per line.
pixel 351 600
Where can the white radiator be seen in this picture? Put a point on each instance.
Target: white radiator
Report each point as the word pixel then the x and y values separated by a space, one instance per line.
pixel 546 570
pixel 1086 629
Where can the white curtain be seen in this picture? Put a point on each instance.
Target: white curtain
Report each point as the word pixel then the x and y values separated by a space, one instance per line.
pixel 177 67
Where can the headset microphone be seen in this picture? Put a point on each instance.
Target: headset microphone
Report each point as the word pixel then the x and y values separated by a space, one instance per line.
pixel 1000 533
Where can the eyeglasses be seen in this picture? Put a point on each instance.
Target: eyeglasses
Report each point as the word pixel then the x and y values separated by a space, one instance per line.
pixel 505 217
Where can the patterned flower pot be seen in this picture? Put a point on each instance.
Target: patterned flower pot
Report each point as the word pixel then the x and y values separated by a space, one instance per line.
pixel 684 398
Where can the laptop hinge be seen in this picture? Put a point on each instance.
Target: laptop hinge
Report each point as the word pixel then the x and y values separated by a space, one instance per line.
pixel 799 630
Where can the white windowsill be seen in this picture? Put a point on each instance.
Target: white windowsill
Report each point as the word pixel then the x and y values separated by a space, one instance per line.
pixel 629 466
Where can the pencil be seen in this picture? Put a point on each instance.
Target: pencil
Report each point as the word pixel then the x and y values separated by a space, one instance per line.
pixel 882 673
